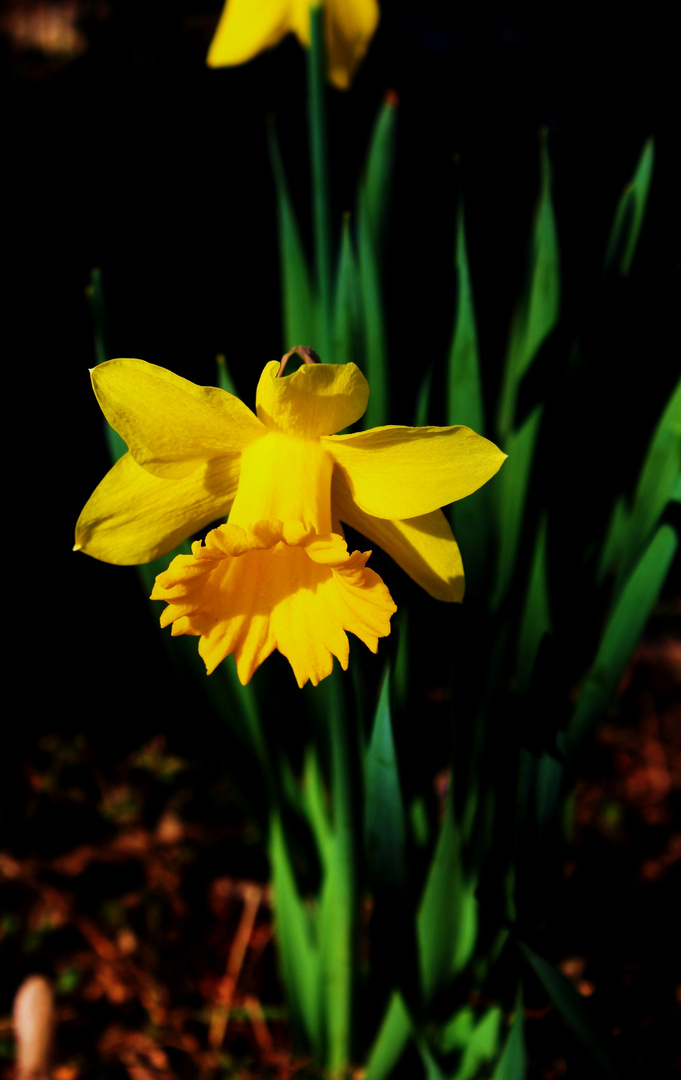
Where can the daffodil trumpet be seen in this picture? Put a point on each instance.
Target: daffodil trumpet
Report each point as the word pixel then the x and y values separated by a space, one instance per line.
pixel 278 573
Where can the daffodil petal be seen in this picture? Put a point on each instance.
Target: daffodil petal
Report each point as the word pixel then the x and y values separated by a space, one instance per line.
pixel 277 585
pixel 133 517
pixel 423 546
pixel 350 26
pixel 404 472
pixel 171 425
pixel 246 27
pixel 315 400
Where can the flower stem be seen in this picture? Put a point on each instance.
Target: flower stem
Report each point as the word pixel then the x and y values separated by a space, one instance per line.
pixel 320 176
pixel 341 885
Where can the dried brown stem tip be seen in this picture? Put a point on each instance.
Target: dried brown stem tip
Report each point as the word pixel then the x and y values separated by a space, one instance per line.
pixel 307 355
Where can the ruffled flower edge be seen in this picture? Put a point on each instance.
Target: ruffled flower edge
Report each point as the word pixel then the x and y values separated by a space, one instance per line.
pixel 276 585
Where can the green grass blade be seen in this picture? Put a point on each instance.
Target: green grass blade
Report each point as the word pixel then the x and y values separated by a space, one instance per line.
pixel 537 312
pixel 622 631
pixel 629 215
pixel 299 304
pixel 572 1008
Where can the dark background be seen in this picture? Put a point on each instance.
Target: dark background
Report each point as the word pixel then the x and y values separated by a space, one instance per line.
pixel 124 152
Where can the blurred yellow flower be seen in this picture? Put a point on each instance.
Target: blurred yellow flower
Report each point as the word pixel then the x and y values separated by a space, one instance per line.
pixel 278 575
pixel 246 27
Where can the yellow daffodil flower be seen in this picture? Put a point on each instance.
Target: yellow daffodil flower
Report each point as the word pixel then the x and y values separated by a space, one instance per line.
pixel 246 27
pixel 278 574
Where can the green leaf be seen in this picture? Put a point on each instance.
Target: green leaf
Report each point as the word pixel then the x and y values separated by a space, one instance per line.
pixel 623 629
pixel 660 472
pixel 482 1045
pixel 300 308
pixel 431 1067
pixel 338 903
pixel 422 411
pixel 541 777
pixel 402 667
pixel 511 1064
pixel 95 295
pixel 571 1006
pixel 348 308
pixel 458 1031
pixel 385 822
pixel 447 919
pixel 471 518
pixel 548 787
pixel 511 493
pixel 629 215
pixel 464 384
pixel 391 1041
pixel 538 308
pixel 296 939
pixel 337 958
pixel 536 618
pixel 372 211
pixel 475 1037
pixel 377 180
pixel 314 805
pixel 375 332
pixel 615 543
pixel 224 380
